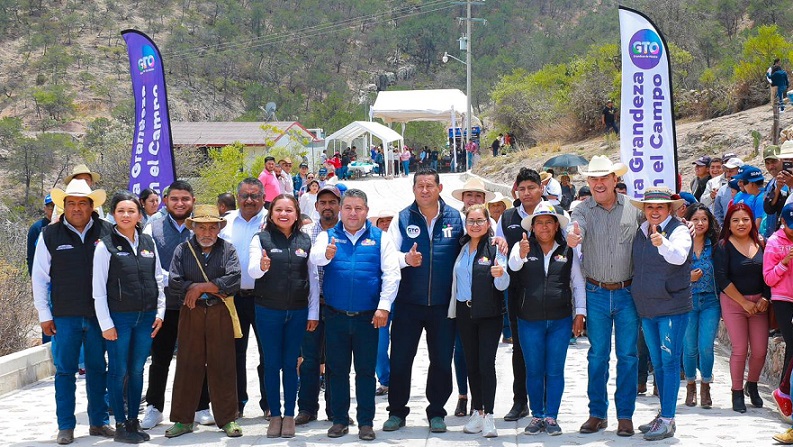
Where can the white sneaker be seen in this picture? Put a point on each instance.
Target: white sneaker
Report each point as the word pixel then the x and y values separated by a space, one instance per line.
pixel 489 427
pixel 151 418
pixel 474 424
pixel 204 417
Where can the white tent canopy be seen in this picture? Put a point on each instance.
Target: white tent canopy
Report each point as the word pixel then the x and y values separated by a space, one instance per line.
pixel 356 129
pixel 419 105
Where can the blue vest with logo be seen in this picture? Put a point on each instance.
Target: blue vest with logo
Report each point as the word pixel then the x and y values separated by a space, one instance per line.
pixel 431 283
pixel 353 277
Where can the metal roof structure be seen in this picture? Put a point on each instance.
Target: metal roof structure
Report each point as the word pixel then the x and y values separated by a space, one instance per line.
pixel 222 133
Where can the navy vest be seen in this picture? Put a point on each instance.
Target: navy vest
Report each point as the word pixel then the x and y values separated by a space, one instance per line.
pixel 431 283
pixel 659 288
pixel 167 238
pixel 486 300
pixel 72 267
pixel 131 285
pixel 545 297
pixel 353 278
pixel 286 285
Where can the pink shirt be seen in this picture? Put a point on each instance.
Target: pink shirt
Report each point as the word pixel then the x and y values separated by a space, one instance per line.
pixel 778 276
pixel 272 187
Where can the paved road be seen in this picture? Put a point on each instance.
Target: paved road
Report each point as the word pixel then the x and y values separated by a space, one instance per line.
pixel 28 415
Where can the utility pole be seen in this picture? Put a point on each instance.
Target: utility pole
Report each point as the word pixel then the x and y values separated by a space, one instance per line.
pixel 467 41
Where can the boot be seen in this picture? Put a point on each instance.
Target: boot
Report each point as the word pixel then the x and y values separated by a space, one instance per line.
pixel 751 390
pixel 691 394
pixel 737 401
pixel 704 395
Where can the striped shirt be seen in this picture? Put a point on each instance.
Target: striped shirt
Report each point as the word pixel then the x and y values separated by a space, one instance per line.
pixel 607 238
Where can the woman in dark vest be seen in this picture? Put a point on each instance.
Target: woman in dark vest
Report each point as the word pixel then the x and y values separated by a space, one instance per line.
pixel 545 268
pixel 661 290
pixel 287 304
pixel 130 305
pixel 478 285
pixel 738 262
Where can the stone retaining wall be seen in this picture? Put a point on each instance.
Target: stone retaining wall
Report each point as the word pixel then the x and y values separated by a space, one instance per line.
pixel 25 367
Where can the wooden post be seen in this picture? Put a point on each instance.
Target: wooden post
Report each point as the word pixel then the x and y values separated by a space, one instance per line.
pixel 775 106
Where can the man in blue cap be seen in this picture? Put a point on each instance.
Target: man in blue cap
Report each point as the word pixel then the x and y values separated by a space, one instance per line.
pixel 751 180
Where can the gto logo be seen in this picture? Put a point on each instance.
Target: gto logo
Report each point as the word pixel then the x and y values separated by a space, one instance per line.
pixel 645 49
pixel 146 63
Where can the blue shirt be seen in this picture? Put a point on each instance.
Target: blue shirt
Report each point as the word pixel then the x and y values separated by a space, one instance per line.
pixel 463 272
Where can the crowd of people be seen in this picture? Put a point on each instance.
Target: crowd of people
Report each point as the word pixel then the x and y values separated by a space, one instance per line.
pixel 326 287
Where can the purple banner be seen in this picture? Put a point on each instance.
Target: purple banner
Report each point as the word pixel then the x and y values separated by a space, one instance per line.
pixel 152 164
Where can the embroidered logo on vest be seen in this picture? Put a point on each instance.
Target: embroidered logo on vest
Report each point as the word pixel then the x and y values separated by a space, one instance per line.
pixel 413 231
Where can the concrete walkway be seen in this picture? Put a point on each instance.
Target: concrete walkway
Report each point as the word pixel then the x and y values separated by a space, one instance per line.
pixel 29 414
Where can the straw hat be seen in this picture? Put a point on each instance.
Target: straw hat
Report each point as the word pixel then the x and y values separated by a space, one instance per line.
pixel 81 169
pixel 658 195
pixel 498 197
pixel 381 215
pixel 600 165
pixel 786 150
pixel 78 188
pixel 545 208
pixel 475 185
pixel 205 214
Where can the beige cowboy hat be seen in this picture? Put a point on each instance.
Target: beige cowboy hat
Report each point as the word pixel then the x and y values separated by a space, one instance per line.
pixel 78 188
pixel 498 197
pixel 600 165
pixel 381 215
pixel 660 194
pixel 545 176
pixel 473 184
pixel 786 150
pixel 81 169
pixel 545 208
pixel 205 214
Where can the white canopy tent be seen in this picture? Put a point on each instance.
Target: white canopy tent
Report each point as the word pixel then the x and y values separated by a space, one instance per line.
pixel 358 128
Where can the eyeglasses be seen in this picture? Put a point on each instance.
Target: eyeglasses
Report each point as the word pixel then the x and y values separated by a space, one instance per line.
pixel 251 196
pixel 310 177
pixel 476 222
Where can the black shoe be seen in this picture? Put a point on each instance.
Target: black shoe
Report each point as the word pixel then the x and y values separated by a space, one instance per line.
pixel 125 435
pixel 462 407
pixel 519 410
pixel 737 401
pixel 135 424
pixel 751 390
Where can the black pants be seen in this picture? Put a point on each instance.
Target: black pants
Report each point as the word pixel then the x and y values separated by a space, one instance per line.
pixel 162 348
pixel 480 338
pixel 247 315
pixel 784 313
pixel 313 352
pixel 519 393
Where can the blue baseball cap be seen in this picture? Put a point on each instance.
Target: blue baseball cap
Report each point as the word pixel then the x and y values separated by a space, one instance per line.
pixel 749 174
pixel 47 199
pixel 689 198
pixel 787 215
pixel 733 183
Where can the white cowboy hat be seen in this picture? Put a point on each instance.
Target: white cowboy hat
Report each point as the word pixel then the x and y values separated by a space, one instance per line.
pixel 81 169
pixel 498 197
pixel 786 150
pixel 205 214
pixel 600 165
pixel 473 184
pixel 381 215
pixel 545 208
pixel 78 188
pixel 660 194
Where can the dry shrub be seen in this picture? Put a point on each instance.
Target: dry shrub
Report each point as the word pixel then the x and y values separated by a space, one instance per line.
pixel 564 128
pixel 18 318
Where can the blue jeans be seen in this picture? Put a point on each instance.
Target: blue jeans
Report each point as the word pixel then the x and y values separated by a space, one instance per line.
pixel 351 338
pixel 406 167
pixel 703 324
pixel 544 345
pixel 506 332
pixel 664 337
pixel 72 333
pixel 280 335
pixel 126 357
pixel 606 310
pixel 383 368
pixel 312 350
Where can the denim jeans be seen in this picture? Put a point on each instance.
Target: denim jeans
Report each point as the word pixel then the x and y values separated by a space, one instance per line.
pixel 664 337
pixel 351 339
pixel 703 324
pixel 126 357
pixel 72 333
pixel 644 358
pixel 544 345
pixel 312 350
pixel 607 309
pixel 280 336
pixel 383 368
pixel 506 332
pixel 406 167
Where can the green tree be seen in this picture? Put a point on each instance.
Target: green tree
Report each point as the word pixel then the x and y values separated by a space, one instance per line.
pixel 759 50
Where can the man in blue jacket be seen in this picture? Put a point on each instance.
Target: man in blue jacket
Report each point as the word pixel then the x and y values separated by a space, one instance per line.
pixel 427 235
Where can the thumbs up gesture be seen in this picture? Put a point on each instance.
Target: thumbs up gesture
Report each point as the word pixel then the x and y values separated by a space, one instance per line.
pixel 265 262
pixel 574 237
pixel 330 251
pixel 413 257
pixel 655 237
pixel 524 246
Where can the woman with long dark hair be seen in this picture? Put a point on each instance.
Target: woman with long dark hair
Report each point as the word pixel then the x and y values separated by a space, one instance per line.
pixel 777 273
pixel 703 320
pixel 287 304
pixel 738 264
pixel 130 306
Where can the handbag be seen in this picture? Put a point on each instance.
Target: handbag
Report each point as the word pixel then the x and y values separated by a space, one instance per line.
pixel 228 301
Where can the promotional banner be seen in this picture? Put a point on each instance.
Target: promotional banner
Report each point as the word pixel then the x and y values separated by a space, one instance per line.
pixel 152 164
pixel 648 143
